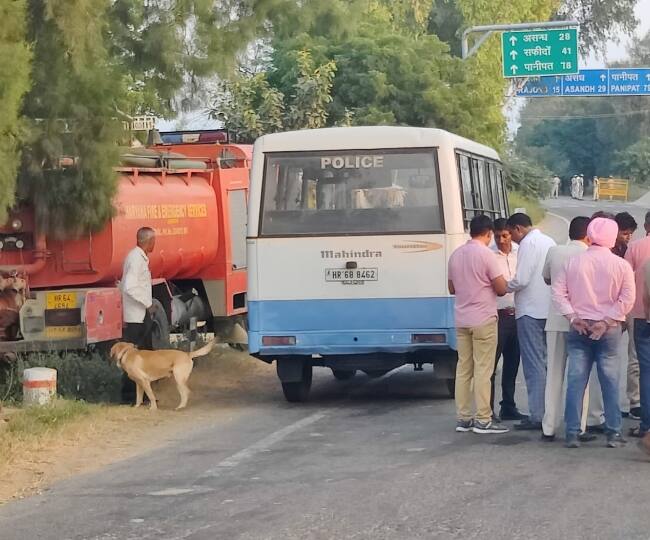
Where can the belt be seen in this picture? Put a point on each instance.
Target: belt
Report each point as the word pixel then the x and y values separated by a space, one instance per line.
pixel 507 312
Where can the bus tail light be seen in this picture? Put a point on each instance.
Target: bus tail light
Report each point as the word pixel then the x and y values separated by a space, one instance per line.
pixel 428 338
pixel 274 341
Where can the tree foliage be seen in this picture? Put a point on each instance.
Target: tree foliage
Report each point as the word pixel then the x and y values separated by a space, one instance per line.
pixel 252 107
pixel 15 57
pixel 586 135
pixel 634 162
pixel 98 62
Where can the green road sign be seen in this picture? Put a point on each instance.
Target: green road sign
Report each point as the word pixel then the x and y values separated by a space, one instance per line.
pixel 533 53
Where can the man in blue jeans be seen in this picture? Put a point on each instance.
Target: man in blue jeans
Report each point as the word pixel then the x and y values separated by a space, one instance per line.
pixel 532 302
pixel 595 292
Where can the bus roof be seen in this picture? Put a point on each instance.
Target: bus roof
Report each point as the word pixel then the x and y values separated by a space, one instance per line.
pixel 368 137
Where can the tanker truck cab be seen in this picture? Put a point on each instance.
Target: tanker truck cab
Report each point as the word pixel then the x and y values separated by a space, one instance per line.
pixel 349 236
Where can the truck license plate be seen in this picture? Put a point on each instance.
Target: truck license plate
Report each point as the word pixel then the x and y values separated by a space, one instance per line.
pixel 351 276
pixel 61 300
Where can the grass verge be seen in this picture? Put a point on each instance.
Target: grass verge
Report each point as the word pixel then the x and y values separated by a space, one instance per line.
pixel 30 424
pixel 533 207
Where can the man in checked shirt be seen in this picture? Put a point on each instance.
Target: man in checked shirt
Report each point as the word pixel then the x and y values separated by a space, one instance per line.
pixel 508 345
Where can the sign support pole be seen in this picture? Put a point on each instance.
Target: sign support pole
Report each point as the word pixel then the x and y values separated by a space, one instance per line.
pixel 487 30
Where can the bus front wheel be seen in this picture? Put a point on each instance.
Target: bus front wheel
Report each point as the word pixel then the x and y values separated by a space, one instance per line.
pixel 298 391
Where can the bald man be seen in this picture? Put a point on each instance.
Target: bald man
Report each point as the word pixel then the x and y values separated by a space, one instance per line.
pixel 137 301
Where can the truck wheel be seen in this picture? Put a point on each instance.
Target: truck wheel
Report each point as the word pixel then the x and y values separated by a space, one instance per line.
pixel 160 329
pixel 298 391
pixel 451 387
pixel 376 373
pixel 344 374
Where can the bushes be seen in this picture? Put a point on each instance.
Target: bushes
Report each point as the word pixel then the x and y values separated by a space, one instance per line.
pixel 533 207
pixel 80 375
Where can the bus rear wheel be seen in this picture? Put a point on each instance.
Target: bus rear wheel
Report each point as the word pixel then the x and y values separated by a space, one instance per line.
pixel 298 391
pixel 344 374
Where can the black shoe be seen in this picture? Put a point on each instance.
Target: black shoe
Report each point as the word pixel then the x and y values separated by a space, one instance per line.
pixel 528 425
pixel 635 413
pixel 596 429
pixel 572 441
pixel 587 437
pixel 615 440
pixel 548 438
pixel 512 414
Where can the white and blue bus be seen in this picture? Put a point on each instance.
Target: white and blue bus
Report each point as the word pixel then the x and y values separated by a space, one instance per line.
pixel 349 234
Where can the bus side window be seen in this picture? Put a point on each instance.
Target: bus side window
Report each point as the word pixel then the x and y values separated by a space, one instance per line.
pixel 496 191
pixel 476 185
pixel 467 198
pixel 484 183
pixel 502 191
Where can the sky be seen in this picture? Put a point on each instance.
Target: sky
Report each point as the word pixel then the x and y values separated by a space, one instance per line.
pixel 618 51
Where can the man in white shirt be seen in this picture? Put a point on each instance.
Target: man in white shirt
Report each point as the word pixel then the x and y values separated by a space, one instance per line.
pixel 557 330
pixel 508 344
pixel 555 187
pixel 532 303
pixel 137 301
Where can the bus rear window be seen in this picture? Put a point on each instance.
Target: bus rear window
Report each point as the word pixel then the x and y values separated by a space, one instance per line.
pixel 351 192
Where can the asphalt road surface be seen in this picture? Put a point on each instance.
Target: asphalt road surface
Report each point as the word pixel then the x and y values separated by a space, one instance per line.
pixel 365 459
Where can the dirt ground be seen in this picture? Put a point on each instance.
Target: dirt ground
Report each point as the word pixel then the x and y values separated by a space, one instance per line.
pixel 222 384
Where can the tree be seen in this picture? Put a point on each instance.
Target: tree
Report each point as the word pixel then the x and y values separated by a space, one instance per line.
pixel 98 62
pixel 585 135
pixel 15 59
pixel 251 107
pixel 634 162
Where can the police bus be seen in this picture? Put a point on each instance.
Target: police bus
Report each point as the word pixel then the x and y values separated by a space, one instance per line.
pixel 349 234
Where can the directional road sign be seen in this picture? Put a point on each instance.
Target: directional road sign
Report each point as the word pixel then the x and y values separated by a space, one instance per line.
pixel 540 52
pixel 591 82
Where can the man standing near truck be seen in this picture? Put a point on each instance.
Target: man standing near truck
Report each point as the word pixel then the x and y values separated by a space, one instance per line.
pixel 137 300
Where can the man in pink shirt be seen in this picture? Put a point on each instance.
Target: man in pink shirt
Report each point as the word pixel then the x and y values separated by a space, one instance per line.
pixel 476 279
pixel 595 292
pixel 638 255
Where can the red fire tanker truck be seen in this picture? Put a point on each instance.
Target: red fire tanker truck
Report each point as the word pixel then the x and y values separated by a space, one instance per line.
pixel 192 189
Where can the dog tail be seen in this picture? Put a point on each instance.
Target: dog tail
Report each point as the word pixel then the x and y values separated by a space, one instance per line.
pixel 203 350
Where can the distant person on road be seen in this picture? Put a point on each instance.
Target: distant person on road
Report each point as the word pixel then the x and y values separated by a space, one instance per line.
pixel 595 291
pixel 638 368
pixel 555 187
pixel 557 330
pixel 574 187
pixel 596 188
pixel 508 343
pixel 476 279
pixel 137 300
pixel 532 302
pixel 580 187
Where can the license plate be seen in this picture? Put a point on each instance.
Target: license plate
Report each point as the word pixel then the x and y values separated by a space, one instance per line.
pixel 61 300
pixel 351 276
pixel 63 332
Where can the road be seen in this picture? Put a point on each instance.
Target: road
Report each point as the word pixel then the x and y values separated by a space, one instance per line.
pixel 364 459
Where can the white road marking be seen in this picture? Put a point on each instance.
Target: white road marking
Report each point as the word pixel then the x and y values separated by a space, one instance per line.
pixel 170 492
pixel 264 444
pixel 559 217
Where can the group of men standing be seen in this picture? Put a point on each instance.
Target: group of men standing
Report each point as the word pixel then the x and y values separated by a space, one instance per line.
pixel 524 297
pixel 577 186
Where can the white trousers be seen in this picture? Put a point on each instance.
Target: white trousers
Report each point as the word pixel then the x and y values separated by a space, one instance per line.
pixel 554 391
